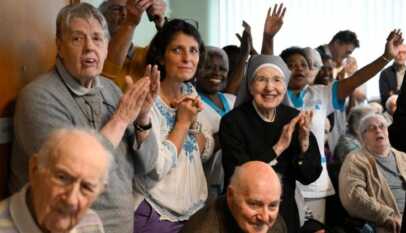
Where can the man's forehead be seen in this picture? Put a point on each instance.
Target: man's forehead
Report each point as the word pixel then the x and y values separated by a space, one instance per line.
pixel 84 25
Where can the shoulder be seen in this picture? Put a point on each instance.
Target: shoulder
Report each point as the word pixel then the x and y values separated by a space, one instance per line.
pixel 240 112
pixel 90 222
pixel 6 222
pixel 205 220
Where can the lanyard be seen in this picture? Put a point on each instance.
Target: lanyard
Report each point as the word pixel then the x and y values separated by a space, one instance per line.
pixel 223 100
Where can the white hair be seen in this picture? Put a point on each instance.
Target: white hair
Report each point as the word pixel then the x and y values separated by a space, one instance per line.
pixel 47 150
pixel 366 121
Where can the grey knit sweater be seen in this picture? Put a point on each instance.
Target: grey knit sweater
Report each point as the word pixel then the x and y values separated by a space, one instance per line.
pixel 56 100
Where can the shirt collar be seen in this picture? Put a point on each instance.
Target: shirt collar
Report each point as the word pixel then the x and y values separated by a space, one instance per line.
pixel 73 84
pixel 20 213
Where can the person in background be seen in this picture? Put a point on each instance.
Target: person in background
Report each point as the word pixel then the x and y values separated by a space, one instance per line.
pixel 372 179
pixel 261 128
pixel 339 48
pixel 350 140
pixel 74 94
pixel 176 187
pixel 210 82
pixel 251 204
pixel 66 176
pixel 391 78
pixel 323 100
pixel 122 17
pixel 315 63
pixel 390 107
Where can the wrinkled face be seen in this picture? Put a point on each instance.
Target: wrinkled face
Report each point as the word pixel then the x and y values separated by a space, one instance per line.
pixel 256 208
pixel 300 71
pixel 115 15
pixel 181 58
pixel 268 88
pixel 341 51
pixel 63 190
pixel 375 137
pixel 213 76
pixel 83 48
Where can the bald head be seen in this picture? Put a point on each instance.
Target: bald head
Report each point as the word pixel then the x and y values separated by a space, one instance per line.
pixel 254 173
pixel 253 196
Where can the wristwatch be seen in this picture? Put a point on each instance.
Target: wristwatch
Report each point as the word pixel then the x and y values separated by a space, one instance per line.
pixel 142 128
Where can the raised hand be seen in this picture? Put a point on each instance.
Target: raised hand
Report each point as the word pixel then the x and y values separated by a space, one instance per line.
pixel 246 45
pixel 135 9
pixel 274 21
pixel 133 99
pixel 304 122
pixel 156 12
pixel 286 136
pixel 392 44
pixel 153 74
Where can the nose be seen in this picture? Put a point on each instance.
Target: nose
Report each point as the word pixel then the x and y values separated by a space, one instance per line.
pixel 89 44
pixel 264 215
pixel 72 196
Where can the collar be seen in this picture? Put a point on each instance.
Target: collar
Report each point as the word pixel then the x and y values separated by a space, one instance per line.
pixel 20 213
pixel 229 222
pixel 73 84
pixel 297 100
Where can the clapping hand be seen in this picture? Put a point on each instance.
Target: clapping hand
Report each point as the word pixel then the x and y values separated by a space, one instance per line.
pixel 304 122
pixel 153 74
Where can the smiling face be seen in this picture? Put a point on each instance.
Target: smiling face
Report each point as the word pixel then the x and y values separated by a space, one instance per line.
pixel 299 67
pixel 375 136
pixel 213 75
pixel 64 187
pixel 181 58
pixel 83 49
pixel 267 88
pixel 254 200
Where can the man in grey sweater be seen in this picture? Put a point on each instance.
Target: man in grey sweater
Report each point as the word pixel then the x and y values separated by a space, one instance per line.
pixel 73 94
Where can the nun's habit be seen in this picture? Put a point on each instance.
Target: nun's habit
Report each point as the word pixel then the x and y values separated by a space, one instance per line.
pixel 245 136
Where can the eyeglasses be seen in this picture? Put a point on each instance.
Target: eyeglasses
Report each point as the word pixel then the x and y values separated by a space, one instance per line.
pixel 373 128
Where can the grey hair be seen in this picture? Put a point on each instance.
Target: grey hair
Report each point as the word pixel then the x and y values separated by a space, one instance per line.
pixel 314 57
pixel 366 120
pixel 81 10
pixel 47 149
pixel 355 116
pixel 104 7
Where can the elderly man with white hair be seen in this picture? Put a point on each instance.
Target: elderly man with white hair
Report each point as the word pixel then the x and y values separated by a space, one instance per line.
pixel 73 94
pixel 65 177
pixel 372 179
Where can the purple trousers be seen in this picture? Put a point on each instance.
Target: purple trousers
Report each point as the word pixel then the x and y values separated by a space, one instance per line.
pixel 147 221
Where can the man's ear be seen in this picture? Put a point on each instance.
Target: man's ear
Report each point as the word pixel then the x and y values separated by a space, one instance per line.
pixel 33 167
pixel 58 42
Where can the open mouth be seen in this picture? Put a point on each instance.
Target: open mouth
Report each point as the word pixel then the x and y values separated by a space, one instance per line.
pixel 215 81
pixel 89 62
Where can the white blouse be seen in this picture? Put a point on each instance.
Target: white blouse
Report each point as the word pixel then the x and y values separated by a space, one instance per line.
pixel 176 188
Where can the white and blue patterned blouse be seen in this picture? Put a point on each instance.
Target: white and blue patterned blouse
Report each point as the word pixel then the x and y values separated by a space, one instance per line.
pixel 177 186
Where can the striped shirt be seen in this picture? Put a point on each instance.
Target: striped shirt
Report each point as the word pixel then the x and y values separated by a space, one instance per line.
pixel 16 218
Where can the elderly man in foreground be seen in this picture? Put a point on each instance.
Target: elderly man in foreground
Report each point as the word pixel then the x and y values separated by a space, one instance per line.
pixel 251 204
pixel 73 94
pixel 372 179
pixel 65 177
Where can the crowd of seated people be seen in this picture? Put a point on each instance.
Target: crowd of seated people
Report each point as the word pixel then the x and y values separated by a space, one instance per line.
pixel 197 138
